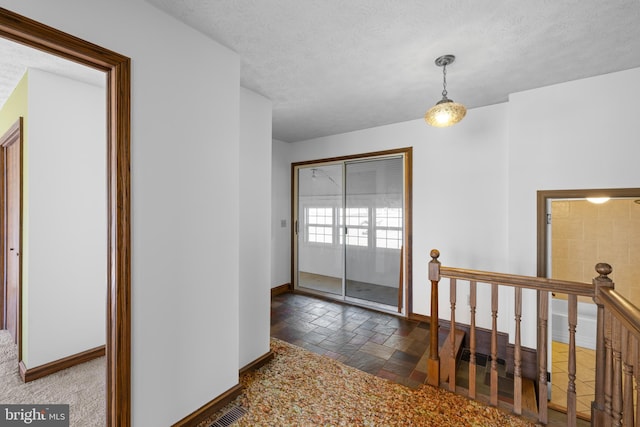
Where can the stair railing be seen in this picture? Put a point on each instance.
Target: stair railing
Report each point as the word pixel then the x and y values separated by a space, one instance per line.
pixel 617 337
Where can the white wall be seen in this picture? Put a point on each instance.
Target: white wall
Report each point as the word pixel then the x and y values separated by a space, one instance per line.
pixel 581 134
pixel 185 200
pixel 577 135
pixel 280 211
pixel 65 220
pixel 255 225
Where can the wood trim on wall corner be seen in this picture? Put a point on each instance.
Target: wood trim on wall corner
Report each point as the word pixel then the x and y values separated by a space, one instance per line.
pixel 210 408
pixel 60 364
pixel 259 362
pixel 282 289
pixel 420 317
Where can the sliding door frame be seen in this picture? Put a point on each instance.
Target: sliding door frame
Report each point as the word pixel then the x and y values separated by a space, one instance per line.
pixel 407 154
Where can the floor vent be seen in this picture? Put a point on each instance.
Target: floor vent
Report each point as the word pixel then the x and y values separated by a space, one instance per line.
pixel 230 417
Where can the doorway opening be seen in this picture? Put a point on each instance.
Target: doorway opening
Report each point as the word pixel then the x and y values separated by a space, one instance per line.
pixel 30 33
pixel 10 224
pixel 351 235
pixel 576 230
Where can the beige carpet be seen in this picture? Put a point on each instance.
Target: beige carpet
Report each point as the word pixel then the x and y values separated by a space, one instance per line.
pixel 82 387
pixel 299 388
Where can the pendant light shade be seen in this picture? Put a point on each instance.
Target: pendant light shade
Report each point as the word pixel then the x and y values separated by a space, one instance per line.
pixel 445 112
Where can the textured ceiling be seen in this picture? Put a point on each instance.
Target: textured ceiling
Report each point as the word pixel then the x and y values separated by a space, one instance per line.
pixel 16 58
pixel 333 66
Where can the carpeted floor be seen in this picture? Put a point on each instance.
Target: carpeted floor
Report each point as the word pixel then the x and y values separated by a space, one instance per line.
pixel 82 387
pixel 300 388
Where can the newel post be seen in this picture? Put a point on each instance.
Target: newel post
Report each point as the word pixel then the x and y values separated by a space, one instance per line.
pixel 598 406
pixel 433 364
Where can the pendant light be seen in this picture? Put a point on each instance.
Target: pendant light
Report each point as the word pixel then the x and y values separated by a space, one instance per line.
pixel 445 112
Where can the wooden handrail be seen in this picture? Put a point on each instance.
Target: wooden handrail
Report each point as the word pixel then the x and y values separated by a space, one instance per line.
pixel 617 340
pixel 625 312
pixel 538 283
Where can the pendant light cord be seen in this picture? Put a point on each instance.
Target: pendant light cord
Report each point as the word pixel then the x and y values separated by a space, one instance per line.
pixel 444 81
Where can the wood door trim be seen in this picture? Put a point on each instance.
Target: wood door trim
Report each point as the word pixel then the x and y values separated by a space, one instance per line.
pixel 541 208
pixel 117 68
pixel 14 135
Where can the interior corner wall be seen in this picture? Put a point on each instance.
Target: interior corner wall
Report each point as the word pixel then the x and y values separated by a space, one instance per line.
pixel 280 214
pixel 15 107
pixel 255 225
pixel 568 136
pixel 65 221
pixel 185 200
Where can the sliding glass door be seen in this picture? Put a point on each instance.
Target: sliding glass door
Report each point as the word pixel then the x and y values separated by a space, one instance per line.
pixel 374 232
pixel 320 256
pixel 349 230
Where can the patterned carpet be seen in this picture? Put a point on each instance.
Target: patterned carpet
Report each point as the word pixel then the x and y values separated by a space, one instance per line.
pixel 82 387
pixel 300 388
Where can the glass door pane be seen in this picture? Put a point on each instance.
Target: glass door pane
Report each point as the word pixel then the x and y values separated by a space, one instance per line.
pixel 320 257
pixel 373 217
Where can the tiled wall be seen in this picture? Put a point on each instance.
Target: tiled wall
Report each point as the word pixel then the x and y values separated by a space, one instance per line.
pixel 584 234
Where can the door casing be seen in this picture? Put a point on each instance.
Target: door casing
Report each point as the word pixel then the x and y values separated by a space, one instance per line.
pixel 544 197
pixel 11 224
pixel 117 68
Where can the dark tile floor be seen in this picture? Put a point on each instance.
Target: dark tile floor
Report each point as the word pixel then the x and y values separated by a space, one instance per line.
pixel 381 344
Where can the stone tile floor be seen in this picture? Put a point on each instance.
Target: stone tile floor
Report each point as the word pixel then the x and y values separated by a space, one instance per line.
pixel 381 344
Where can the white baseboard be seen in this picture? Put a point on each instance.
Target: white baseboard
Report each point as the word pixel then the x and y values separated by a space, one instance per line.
pixel 586 328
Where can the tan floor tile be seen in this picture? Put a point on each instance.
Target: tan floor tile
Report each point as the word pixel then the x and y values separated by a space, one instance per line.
pixel 377 350
pixel 584 407
pixel 419 334
pixel 585 355
pixel 585 389
pixel 587 367
pixel 585 376
pixel 559 347
pixel 560 381
pixel 559 368
pixel 422 363
pixel 398 342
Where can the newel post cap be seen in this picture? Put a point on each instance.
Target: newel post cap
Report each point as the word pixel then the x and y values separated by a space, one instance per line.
pixel 603 280
pixel 434 266
pixel 604 269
